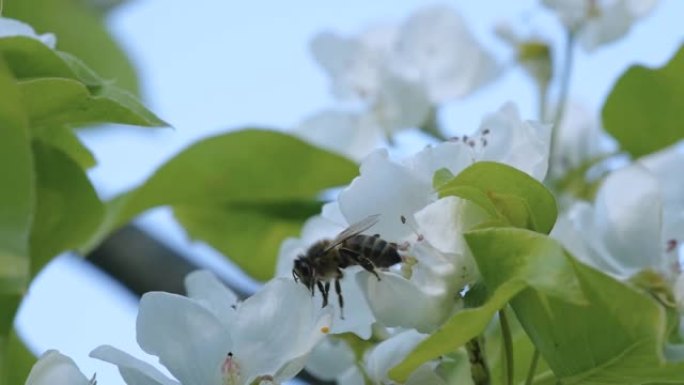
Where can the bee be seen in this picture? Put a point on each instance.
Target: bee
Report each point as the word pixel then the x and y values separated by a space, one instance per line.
pixel 326 259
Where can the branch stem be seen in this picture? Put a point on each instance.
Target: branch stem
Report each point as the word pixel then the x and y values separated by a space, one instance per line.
pixel 507 345
pixel 533 367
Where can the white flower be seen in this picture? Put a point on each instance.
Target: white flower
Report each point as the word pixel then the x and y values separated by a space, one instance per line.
pixel 11 27
pixel 209 339
pixel 391 352
pixel 54 368
pixel 358 318
pixel 622 232
pixel 580 139
pixel 395 190
pixel 334 360
pixel 598 22
pixel 433 48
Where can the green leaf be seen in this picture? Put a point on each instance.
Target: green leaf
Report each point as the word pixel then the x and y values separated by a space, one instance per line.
pixel 66 140
pixel 508 268
pixel 28 58
pixel 250 173
pixel 19 358
pixel 16 198
pixel 617 337
pixel 68 209
pixel 56 101
pixel 505 192
pixel 645 109
pixel 250 234
pixel 80 30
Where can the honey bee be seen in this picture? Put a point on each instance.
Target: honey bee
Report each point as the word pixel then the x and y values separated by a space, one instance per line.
pixel 325 260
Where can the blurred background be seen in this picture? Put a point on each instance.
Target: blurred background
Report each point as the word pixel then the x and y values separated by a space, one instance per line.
pixel 209 66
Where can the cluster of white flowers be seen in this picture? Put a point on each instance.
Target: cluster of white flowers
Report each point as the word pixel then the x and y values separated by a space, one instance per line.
pixel 399 74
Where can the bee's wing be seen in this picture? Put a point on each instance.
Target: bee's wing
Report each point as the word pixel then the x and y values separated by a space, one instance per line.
pixel 354 229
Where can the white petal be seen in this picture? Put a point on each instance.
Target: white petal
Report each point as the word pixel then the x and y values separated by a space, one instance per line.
pixel 54 368
pixel 390 352
pixel 454 156
pixel 396 301
pixel 444 221
pixel 388 189
pixel 665 165
pixel 330 359
pixel 278 324
pixel 436 48
pixel 401 104
pixel 523 145
pixel 358 317
pixel 579 139
pixel 133 370
pixel 188 339
pixel 352 376
pixel 348 134
pixel 205 288
pixel 11 27
pixel 612 23
pixel 353 67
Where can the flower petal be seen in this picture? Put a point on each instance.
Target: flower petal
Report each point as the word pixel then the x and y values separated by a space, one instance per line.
pixel 345 133
pixel 389 353
pixel 454 156
pixel 133 370
pixel 396 301
pixel 278 324
pixel 449 68
pixel 206 289
pixel 188 338
pixel 388 189
pixel 54 368
pixel 629 218
pixel 523 145
pixel 330 359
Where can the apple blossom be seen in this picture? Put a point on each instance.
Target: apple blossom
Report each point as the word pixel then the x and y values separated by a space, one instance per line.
pixel 432 48
pixel 597 22
pixel 358 317
pixel 622 233
pixel 580 139
pixel 208 338
pixel 54 368
pixel 10 27
pixel 435 48
pixel 397 190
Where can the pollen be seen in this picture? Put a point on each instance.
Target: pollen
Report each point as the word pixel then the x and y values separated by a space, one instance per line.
pixel 325 330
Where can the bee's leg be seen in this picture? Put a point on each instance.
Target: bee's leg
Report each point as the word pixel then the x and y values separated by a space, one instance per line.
pixel 340 300
pixel 324 291
pixel 364 262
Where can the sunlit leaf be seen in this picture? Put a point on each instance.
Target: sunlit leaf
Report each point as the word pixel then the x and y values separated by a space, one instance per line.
pixel 515 265
pixel 617 337
pixel 19 359
pixel 16 198
pixel 252 174
pixel 81 30
pixel 251 236
pixel 645 109
pixel 68 210
pixel 505 192
pixel 66 140
pixel 57 101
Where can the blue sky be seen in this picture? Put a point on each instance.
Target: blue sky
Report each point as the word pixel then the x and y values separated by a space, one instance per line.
pixel 207 66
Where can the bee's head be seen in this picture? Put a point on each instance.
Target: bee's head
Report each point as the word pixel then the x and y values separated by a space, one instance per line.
pixel 302 271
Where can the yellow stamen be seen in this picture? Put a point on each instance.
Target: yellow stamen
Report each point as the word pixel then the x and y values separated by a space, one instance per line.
pixel 325 330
